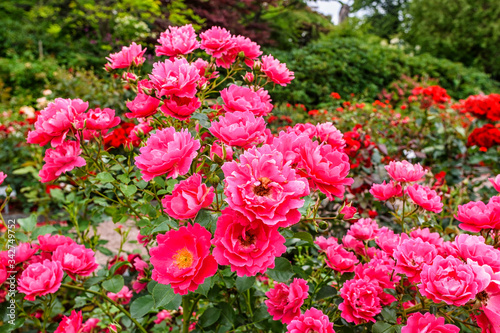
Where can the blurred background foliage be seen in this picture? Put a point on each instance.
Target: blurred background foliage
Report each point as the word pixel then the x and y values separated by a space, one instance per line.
pixel 456 42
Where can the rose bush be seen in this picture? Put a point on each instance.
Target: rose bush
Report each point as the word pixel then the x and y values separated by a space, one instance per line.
pixel 306 228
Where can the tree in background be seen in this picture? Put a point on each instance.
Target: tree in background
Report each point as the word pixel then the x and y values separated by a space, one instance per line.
pixel 385 17
pixel 461 30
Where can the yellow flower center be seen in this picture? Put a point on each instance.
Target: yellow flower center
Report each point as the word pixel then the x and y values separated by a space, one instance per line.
pixel 183 258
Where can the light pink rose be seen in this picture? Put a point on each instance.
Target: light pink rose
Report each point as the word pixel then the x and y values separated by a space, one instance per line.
pixel 163 315
pixel 216 41
pixel 239 129
pixel 452 281
pixel 122 297
pixel 62 159
pixel 420 323
pixel 50 243
pixel 188 197
pixel 495 181
pixel 40 279
pixel 323 243
pixel 364 229
pixel 411 255
pixel 424 197
pixel 182 258
pixel 326 168
pixel 263 186
pixel 285 301
pixel 476 216
pixel 243 99
pixel 388 241
pixel 340 260
pixel 179 107
pixel 276 71
pixel 404 171
pixel 383 192
pixel 313 320
pixel 329 134
pixel 56 121
pixel 75 259
pixel 23 252
pixel 249 247
pixel 71 324
pixel 427 236
pixel 177 77
pixel 361 301
pixel 132 55
pixel 177 41
pixel 474 248
pixel 167 152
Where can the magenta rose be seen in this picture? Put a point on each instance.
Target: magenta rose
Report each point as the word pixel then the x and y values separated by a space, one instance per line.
pixel 177 77
pixel 387 240
pixel 71 324
pixel 50 243
pixel 329 134
pixel 474 248
pixel 248 247
pixel 24 251
pixel 167 152
pixel 495 181
pixel 180 108
pixel 364 229
pixel 313 320
pixel 56 121
pixel 182 258
pixel 142 106
pixel 40 279
pixel 361 301
pixel 404 171
pixel 340 260
pixel 452 281
pixel 411 255
pixel 383 192
pixel 285 301
pixel 75 259
pixel 2 177
pixel 99 120
pixel 188 197
pixel 62 159
pixel 239 129
pixel 425 198
pixel 216 41
pixel 133 55
pixel 122 297
pixel 476 216
pixel 276 71
pixel 324 243
pixel 243 99
pixel 427 322
pixel 379 272
pixel 263 186
pixel 177 41
pixel 426 235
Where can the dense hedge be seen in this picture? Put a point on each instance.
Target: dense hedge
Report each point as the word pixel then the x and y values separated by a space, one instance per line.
pixel 352 65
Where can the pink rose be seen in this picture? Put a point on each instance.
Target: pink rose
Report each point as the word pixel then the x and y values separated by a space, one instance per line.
pixel 312 320
pixel 263 186
pixel 220 151
pixel 411 255
pixel 489 318
pixel 177 41
pixel 474 248
pixel 177 77
pixel 426 235
pixel 132 55
pixel 424 197
pixel 100 120
pixel 285 301
pixel 182 258
pixel 387 240
pixel 405 171
pixel 122 297
pixel 304 128
pixel 138 133
pixel 179 107
pixel 216 41
pixel 427 322
pixel 240 44
pixel 56 121
pixel 289 144
pixel 188 197
pixel 51 243
pixel 62 159
pixel 452 281
pixel 383 192
pixel 239 129
pixel 475 216
pixel 24 251
pixel 90 325
pixel 139 286
pixel 2 177
pixel 379 272
pixel 75 259
pixel 163 315
pixel 324 243
pixel 40 279
pixel 167 152
pixel 326 168
pixel 329 134
pixel 361 301
pixel 348 211
pixel 71 324
pixel 243 99
pixel 340 260
pixel 249 247
pixel 142 106
pixel 495 181
pixel 276 71
pixel 364 229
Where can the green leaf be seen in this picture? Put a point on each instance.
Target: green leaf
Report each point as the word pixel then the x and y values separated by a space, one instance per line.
pixel 162 294
pixel 93 280
pixel 114 285
pixel 389 315
pixel 29 223
pixel 43 230
pixel 21 237
pixel 163 227
pixel 57 194
pixel 204 288
pixel 104 250
pixel 175 303
pixel 244 283
pixel 325 292
pixel 383 327
pixel 202 118
pixel 128 190
pixel 304 236
pixel 105 177
pixel 210 316
pixel 282 270
pixel 141 306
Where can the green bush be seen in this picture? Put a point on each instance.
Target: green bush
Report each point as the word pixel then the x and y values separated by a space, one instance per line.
pixel 364 67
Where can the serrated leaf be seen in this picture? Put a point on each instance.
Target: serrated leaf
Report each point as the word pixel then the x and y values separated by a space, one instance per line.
pixel 43 230
pixel 244 283
pixel 282 270
pixel 162 294
pixel 210 316
pixel 202 119
pixel 325 292
pixel 92 280
pixel 128 190
pixel 105 177
pixel 28 223
pixel 141 306
pixel 389 315
pixel 114 285
pixel 304 236
pixel 204 288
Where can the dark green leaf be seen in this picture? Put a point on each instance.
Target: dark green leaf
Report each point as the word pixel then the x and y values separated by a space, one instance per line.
pixel 389 315
pixel 162 294
pixel 282 270
pixel 202 118
pixel 205 287
pixel 28 223
pixel 93 280
pixel 304 236
pixel 141 306
pixel 244 283
pixel 114 285
pixel 325 292
pixel 210 316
